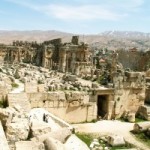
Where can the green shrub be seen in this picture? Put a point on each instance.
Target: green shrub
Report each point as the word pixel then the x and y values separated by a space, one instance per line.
pixel 143 138
pixel 15 85
pixel 86 138
pixel 139 120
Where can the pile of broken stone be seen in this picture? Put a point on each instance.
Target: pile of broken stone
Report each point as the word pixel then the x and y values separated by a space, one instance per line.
pixel 52 80
pixel 107 142
pixel 37 130
pixel 143 127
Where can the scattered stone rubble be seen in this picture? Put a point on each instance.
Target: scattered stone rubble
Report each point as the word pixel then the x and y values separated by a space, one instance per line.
pixel 107 142
pixel 37 130
pixel 69 81
pixel 142 128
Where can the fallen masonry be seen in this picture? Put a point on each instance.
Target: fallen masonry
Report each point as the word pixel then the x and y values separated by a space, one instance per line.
pixel 48 86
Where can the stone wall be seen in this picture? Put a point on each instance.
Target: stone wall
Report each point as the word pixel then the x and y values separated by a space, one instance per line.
pixel 129 90
pixel 20 99
pixel 120 102
pixel 128 101
pixel 31 87
pixel 72 107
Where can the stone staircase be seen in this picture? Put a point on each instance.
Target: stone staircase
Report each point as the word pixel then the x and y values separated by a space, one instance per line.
pixel 19 99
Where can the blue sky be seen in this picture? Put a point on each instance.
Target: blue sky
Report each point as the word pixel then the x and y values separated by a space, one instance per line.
pixel 75 16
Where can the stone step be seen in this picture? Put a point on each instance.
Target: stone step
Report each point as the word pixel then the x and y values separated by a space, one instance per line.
pixel 20 99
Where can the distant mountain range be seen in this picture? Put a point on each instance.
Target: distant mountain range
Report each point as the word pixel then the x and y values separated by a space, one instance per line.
pixel 125 34
pixel 109 39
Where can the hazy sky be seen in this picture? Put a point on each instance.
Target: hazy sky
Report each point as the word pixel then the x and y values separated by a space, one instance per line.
pixel 75 16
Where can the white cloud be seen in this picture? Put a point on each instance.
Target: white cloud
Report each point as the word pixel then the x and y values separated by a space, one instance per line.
pixel 86 12
pixel 102 9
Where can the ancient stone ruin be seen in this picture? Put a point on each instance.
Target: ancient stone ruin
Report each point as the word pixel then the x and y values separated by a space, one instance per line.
pixel 45 86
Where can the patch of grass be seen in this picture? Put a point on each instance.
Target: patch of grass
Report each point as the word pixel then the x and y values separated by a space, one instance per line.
pixel 86 138
pixel 15 85
pixel 93 121
pixel 143 138
pixel 127 146
pixel 139 120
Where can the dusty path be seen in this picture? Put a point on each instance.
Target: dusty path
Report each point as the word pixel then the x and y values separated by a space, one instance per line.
pixel 20 88
pixel 107 127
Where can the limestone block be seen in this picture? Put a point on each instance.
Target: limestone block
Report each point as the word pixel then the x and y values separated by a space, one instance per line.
pixel 60 134
pixel 86 99
pixel 117 109
pixel 74 143
pixel 142 96
pixel 72 78
pixel 62 96
pixel 31 87
pixel 39 128
pixel 65 103
pixel 61 104
pixel 20 99
pixel 144 112
pixel 56 103
pixel 46 104
pixel 116 140
pixel 29 145
pixel 17 131
pixel 76 95
pixel 34 104
pixel 53 96
pixel 141 127
pixel 131 117
pixel 74 104
pixel 95 85
pixel 41 88
pixel 95 143
pixel 51 104
pixel 40 104
pixel 3 141
pixel 133 74
pixel 53 144
pixel 37 96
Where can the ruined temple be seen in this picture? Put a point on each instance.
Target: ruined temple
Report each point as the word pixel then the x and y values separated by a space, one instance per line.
pixel 69 82
pixel 111 92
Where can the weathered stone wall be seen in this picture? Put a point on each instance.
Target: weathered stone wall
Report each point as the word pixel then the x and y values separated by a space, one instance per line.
pixel 121 101
pixel 69 106
pixel 128 101
pixel 20 99
pixel 129 91
pixel 31 87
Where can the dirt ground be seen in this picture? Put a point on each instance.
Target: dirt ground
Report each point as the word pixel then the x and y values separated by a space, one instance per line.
pixel 107 127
